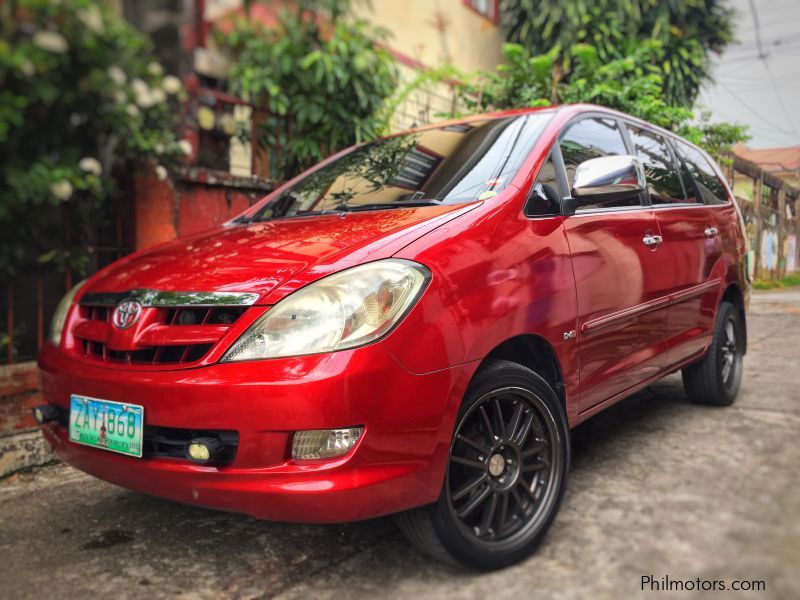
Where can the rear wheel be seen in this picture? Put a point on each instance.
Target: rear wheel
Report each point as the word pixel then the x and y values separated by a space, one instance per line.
pixel 509 459
pixel 716 378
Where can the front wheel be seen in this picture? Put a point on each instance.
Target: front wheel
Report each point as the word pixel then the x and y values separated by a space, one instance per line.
pixel 508 466
pixel 716 378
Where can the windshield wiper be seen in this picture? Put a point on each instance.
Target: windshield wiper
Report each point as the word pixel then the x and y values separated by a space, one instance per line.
pixel 303 213
pixel 386 205
pixel 314 213
pixel 342 210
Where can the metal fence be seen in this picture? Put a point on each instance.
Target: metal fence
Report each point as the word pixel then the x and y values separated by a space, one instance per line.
pixel 28 301
pixel 233 136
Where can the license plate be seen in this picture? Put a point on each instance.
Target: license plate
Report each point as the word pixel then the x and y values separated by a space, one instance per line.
pixel 113 426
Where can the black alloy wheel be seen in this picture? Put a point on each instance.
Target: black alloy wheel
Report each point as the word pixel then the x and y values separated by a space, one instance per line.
pixel 506 473
pixel 715 378
pixel 503 467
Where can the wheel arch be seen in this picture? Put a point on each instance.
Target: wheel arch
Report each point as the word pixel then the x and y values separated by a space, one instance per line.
pixel 538 355
pixel 733 294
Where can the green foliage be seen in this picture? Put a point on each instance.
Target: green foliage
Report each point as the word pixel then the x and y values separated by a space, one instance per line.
pixel 792 280
pixel 327 78
pixel 79 95
pixel 687 31
pixel 633 84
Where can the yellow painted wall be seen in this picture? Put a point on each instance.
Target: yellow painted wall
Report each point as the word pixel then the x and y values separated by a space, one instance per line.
pixel 437 31
pixel 433 33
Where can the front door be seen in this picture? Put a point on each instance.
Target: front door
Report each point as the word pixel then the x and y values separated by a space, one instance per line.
pixel 618 266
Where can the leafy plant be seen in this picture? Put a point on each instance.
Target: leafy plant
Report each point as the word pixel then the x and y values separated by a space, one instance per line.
pixel 80 95
pixel 324 74
pixel 633 84
pixel 687 32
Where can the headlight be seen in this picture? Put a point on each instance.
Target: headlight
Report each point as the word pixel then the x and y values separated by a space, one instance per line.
pixel 60 316
pixel 344 310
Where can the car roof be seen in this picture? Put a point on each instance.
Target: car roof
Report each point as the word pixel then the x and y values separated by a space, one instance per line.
pixel 567 111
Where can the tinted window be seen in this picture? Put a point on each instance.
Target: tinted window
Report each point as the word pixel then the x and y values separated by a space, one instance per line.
pixel 544 199
pixel 710 188
pixel 663 181
pixel 593 138
pixel 455 163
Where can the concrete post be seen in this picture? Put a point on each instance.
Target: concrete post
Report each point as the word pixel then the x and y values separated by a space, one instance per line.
pixel 758 184
pixel 781 231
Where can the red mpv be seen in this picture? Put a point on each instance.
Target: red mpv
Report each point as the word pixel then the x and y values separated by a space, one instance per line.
pixel 413 326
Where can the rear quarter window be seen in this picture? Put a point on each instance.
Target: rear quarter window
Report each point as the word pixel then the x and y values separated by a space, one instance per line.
pixel 708 186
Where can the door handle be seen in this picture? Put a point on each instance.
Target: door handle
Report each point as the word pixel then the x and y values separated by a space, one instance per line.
pixel 652 240
pixel 711 231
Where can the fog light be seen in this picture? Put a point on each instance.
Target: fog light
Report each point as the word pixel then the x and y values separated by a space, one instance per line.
pixel 204 449
pixel 324 443
pixel 44 413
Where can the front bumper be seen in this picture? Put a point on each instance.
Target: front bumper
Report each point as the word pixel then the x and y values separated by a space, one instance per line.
pixel 398 463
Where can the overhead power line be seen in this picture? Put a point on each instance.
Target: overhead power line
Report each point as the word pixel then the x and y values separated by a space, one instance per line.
pixel 763 57
pixel 757 113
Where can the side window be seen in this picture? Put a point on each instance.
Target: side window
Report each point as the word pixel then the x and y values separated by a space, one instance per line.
pixel 544 200
pixel 709 187
pixel 593 138
pixel 663 180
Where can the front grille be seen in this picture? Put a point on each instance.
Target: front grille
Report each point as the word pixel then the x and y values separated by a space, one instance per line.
pixel 168 335
pixel 153 355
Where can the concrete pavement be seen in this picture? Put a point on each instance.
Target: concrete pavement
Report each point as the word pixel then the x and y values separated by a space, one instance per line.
pixel 659 487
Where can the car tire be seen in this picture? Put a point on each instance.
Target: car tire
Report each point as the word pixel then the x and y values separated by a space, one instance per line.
pixel 506 474
pixel 715 379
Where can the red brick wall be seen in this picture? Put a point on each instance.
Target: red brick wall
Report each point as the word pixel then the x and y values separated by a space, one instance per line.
pixel 19 393
pixel 155 204
pixel 202 208
pixel 164 210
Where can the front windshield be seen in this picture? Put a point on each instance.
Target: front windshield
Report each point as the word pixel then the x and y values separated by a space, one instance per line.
pixel 459 162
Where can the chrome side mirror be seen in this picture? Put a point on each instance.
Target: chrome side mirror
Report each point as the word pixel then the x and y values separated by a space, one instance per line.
pixel 606 178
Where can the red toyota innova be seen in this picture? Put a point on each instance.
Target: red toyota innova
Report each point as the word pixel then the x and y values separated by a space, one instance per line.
pixel 413 326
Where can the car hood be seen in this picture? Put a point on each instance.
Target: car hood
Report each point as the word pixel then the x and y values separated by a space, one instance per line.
pixel 260 257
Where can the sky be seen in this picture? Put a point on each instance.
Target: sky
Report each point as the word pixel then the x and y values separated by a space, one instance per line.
pixel 760 89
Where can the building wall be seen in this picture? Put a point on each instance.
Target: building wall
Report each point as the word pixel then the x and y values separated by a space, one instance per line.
pixel 436 32
pixel 426 34
pixel 423 34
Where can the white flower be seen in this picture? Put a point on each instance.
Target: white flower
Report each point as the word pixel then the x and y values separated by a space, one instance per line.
pixel 159 148
pixel 155 69
pixel 90 165
pixel 139 86
pixel 132 110
pixel 51 41
pixel 161 172
pixel 141 93
pixel 185 146
pixel 92 18
pixel 61 189
pixel 26 68
pixel 117 75
pixel 157 96
pixel 172 85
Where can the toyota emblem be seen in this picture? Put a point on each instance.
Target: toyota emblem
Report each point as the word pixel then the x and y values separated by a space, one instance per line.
pixel 126 313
